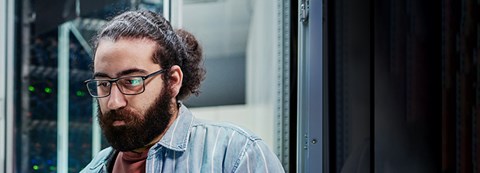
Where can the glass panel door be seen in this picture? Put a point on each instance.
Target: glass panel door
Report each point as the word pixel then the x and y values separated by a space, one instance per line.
pixel 55 116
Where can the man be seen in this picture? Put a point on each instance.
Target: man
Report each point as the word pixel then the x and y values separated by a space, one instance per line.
pixel 142 71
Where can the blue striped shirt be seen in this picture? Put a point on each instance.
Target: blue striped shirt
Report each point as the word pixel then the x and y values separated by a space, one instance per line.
pixel 193 145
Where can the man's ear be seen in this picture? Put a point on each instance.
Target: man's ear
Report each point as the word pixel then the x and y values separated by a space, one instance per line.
pixel 175 79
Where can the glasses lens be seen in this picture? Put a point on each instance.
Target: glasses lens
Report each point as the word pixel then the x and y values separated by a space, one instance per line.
pixel 99 88
pixel 131 85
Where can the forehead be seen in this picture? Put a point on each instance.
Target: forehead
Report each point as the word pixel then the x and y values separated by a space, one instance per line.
pixel 124 54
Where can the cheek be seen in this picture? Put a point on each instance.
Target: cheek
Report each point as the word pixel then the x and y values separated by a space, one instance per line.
pixel 152 90
pixel 140 103
pixel 102 105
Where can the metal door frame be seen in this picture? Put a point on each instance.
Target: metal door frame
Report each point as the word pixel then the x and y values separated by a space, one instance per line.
pixel 7 50
pixel 310 105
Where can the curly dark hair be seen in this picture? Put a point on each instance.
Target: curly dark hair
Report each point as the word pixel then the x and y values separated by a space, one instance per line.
pixel 175 47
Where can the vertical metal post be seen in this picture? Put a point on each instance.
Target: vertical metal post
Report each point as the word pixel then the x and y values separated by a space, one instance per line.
pixel 283 83
pixel 9 76
pixel 176 11
pixel 310 88
pixel 166 9
pixel 96 137
pixel 63 88
pixel 302 104
pixel 9 70
pixel 3 61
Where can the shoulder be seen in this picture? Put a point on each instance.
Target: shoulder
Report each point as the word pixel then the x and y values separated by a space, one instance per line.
pixel 99 161
pixel 240 149
pixel 223 128
pixel 224 136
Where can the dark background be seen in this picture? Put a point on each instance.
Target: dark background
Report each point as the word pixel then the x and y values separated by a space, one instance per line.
pixel 403 93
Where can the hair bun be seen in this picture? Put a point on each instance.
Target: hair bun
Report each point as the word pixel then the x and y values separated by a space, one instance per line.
pixel 194 50
pixel 193 63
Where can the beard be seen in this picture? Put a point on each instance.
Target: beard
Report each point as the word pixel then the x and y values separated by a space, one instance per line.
pixel 138 130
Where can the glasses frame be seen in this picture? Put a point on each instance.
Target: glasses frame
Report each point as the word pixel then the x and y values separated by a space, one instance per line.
pixel 114 80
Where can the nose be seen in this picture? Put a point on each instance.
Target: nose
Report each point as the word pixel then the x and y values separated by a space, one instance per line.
pixel 116 100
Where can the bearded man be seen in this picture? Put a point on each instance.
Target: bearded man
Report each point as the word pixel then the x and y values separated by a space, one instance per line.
pixel 142 70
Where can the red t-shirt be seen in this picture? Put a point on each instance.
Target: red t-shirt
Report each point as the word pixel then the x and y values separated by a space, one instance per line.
pixel 130 162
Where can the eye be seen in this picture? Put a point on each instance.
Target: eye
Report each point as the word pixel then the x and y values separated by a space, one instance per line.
pixel 103 84
pixel 132 82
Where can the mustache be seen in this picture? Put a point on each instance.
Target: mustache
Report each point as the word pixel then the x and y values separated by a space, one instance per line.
pixel 125 115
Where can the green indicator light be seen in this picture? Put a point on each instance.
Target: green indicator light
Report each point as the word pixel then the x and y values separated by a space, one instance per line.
pixel 52 168
pixel 80 93
pixel 31 88
pixel 35 167
pixel 48 90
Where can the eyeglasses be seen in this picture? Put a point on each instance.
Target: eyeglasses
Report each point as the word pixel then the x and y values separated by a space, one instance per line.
pixel 128 85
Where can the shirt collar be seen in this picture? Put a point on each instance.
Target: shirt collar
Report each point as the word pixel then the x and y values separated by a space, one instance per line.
pixel 176 137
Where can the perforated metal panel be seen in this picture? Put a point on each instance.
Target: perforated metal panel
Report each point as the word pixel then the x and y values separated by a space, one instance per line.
pixel 283 85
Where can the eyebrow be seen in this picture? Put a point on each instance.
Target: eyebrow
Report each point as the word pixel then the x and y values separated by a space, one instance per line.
pixel 120 74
